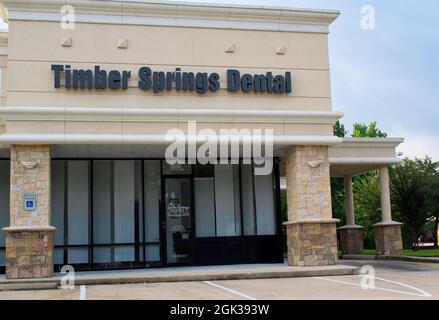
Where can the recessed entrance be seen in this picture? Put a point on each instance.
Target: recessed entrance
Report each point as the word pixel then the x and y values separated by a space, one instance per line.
pixel 178 223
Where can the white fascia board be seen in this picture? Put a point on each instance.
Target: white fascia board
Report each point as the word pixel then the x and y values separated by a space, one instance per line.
pixel 150 139
pixel 364 160
pixel 165 115
pixel 349 142
pixel 177 14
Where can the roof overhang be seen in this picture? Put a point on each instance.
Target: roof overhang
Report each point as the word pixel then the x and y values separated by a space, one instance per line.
pixel 178 14
pixel 355 156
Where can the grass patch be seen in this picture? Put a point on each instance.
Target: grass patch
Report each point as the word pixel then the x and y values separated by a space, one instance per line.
pixel 411 253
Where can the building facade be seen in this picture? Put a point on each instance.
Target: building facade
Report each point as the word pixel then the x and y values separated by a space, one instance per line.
pixel 89 95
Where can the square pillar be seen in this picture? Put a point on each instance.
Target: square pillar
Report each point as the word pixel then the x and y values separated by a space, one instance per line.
pixel 29 238
pixel 311 231
pixel 351 239
pixel 351 235
pixel 388 239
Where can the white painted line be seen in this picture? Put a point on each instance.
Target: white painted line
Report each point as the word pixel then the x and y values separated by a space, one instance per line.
pixel 82 293
pixel 230 290
pixel 421 293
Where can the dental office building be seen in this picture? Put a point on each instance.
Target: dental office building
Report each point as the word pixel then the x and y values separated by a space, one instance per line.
pixel 85 110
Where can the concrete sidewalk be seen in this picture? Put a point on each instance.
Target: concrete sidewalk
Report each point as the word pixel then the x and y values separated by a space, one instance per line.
pixel 177 274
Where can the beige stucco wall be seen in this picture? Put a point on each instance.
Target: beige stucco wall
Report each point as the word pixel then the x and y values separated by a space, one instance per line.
pixel 33 46
pixel 4 79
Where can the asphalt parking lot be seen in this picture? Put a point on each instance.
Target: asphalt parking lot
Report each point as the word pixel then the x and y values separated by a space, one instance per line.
pixel 389 280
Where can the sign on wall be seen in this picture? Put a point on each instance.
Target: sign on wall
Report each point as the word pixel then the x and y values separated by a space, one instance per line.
pixel 159 81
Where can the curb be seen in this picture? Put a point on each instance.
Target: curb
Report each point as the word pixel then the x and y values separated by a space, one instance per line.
pixel 390 258
pixel 29 284
pixel 99 279
pixel 218 276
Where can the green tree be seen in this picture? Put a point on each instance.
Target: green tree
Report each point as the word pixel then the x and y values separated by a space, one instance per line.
pixel 411 183
pixel 362 130
pixel 433 198
pixel 339 129
pixel 367 205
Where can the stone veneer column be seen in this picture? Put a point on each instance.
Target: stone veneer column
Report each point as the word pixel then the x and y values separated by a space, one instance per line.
pixel 351 235
pixel 388 239
pixel 29 239
pixel 311 231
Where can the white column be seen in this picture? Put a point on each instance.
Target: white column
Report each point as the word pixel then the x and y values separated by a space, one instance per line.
pixel 349 201
pixel 386 211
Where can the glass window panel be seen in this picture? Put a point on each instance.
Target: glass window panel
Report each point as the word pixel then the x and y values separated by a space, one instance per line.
pixel 237 196
pixel 204 207
pixel 102 210
pixel 265 208
pixel 152 253
pixel 152 196
pixel 78 210
pixel 225 201
pixel 58 255
pixel 124 209
pixel 248 210
pixel 204 171
pixel 57 201
pixel 4 204
pixel 176 168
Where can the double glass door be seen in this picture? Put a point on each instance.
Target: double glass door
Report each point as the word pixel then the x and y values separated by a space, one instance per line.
pixel 178 220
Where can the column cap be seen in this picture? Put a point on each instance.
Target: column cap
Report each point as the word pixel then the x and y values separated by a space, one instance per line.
pixel 28 229
pixel 351 226
pixel 387 223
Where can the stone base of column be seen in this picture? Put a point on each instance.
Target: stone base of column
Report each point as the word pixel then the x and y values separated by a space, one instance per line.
pixel 29 252
pixel 388 239
pixel 351 239
pixel 312 243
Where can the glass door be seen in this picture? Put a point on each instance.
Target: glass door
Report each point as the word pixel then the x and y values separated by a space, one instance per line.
pixel 178 220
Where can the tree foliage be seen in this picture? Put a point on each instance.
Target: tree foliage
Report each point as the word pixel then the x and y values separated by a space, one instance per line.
pixel 414 194
pixel 339 130
pixel 362 130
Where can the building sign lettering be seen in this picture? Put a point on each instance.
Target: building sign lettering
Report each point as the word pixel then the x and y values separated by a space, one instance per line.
pixel 159 81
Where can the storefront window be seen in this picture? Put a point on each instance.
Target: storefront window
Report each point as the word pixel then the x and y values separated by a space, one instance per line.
pixel 4 205
pixel 265 205
pixel 228 222
pixel 248 201
pixel 111 211
pixel 102 195
pixel 57 208
pixel 124 215
pixel 152 196
pixel 78 210
pixel 204 188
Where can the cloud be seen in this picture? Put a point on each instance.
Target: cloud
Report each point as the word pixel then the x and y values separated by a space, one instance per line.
pixel 418 144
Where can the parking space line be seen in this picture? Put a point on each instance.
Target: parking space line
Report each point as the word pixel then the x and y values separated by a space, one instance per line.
pixel 82 293
pixel 230 290
pixel 421 293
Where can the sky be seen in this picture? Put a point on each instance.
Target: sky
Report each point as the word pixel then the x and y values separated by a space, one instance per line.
pixel 389 74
